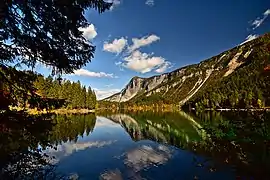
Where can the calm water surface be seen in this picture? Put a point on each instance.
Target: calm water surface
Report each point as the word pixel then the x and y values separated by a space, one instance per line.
pixel 150 145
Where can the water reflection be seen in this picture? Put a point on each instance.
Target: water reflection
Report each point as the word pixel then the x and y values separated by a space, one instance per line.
pixel 148 145
pixel 23 137
pixel 240 139
pixel 20 138
pixel 67 149
pixel 71 127
pixel 174 128
pixel 145 157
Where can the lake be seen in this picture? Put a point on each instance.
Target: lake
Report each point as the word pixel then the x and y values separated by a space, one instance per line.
pixel 139 145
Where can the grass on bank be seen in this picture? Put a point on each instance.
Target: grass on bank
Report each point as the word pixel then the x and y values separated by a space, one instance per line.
pixel 35 111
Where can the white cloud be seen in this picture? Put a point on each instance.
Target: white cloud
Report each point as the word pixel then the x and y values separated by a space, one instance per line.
pixel 163 67
pixel 115 3
pixel 108 85
pixel 249 38
pixel 267 12
pixel 256 23
pixel 84 72
pixel 133 58
pixel 118 63
pixel 116 46
pixel 150 2
pixel 259 20
pixel 143 62
pixel 144 41
pixel 89 32
pixel 104 93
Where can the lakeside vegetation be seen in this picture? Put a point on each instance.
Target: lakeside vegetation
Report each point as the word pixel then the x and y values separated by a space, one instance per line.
pixel 36 111
pixel 76 96
pixel 107 105
pixel 130 106
pixel 48 95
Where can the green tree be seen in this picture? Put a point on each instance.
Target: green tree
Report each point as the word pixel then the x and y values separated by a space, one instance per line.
pixel 94 99
pixel 43 31
pixel 83 95
pixel 89 98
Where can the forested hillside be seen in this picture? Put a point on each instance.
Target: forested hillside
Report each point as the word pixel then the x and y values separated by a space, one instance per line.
pixel 75 95
pixel 46 92
pixel 238 78
pixel 247 87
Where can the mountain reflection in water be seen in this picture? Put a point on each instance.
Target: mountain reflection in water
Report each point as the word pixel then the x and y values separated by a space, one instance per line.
pixel 142 145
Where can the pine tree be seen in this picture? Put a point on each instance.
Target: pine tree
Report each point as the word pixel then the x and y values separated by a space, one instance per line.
pixel 94 99
pixel 89 98
pixel 46 32
pixel 84 97
pixel 75 95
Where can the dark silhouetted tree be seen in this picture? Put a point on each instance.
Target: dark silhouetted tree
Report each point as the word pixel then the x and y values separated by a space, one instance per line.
pixel 43 31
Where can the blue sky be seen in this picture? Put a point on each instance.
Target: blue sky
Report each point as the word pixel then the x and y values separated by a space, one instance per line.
pixel 149 37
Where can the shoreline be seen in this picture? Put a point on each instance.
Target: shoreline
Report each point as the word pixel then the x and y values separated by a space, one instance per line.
pixel 234 109
pixel 55 111
pixel 73 111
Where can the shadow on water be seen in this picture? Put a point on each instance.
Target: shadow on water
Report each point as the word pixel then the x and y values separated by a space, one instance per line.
pixel 151 145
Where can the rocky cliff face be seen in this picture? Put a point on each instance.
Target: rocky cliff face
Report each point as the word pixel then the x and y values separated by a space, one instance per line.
pixel 136 86
pixel 182 84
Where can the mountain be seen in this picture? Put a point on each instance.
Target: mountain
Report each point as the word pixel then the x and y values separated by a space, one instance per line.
pixel 237 77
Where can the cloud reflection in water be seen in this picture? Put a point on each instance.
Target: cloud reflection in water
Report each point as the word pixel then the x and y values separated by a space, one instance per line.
pixel 67 149
pixel 146 156
pixel 138 159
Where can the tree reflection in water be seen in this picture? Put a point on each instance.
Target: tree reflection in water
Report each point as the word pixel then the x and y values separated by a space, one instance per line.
pixel 238 139
pixel 23 137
